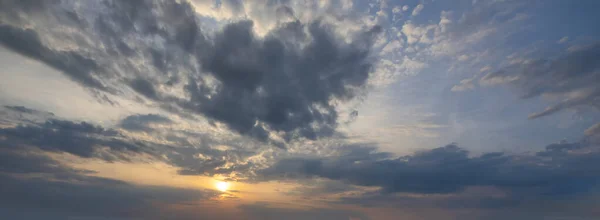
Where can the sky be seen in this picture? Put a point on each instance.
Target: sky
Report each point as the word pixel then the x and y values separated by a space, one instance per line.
pixel 308 109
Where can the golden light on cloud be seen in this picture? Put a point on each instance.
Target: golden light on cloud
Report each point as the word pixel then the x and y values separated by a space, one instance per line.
pixel 222 186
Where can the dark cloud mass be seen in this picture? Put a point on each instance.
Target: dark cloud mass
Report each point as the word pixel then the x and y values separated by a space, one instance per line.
pixel 283 82
pixel 286 81
pixel 77 138
pixel 562 169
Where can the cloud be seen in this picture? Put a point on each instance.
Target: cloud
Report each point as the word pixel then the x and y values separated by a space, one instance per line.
pixel 563 40
pixel 485 69
pixel 143 122
pixel 36 185
pixel 321 188
pixel 195 147
pixel 593 133
pixel 283 81
pixel 551 173
pixel 417 9
pixel 281 87
pixel 263 211
pixel 26 110
pixel 11 115
pixel 571 76
pixel 463 58
pixel 145 137
pixel 465 84
pixel 78 138
pixel 74 65
pixel 460 35
pixel 33 182
pixel 449 169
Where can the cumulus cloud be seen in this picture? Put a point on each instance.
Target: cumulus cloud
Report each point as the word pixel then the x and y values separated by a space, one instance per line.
pixel 571 76
pixel 281 87
pixel 285 80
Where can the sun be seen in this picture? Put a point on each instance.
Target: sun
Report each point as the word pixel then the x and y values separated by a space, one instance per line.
pixel 222 186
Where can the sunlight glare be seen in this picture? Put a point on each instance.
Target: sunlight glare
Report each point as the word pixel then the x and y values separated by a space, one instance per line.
pixel 222 186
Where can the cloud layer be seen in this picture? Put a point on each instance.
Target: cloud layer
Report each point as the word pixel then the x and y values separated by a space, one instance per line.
pixel 287 81
pixel 572 76
pixel 352 92
pixel 552 172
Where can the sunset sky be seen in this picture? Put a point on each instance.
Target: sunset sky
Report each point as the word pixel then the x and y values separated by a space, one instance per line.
pixel 299 109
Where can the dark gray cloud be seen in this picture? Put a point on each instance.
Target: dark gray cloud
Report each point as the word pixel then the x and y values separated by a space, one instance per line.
pixel 285 81
pixel 573 76
pixel 27 160
pixel 78 138
pixel 26 110
pixel 94 197
pixel 27 42
pixel 32 182
pixel 143 122
pixel 561 169
pixel 144 87
pixel 11 115
pixel 263 211
pixel 193 153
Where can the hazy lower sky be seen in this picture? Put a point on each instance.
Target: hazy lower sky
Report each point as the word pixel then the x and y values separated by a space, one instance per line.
pixel 308 109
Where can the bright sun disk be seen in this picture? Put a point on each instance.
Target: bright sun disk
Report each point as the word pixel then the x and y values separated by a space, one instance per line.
pixel 222 186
